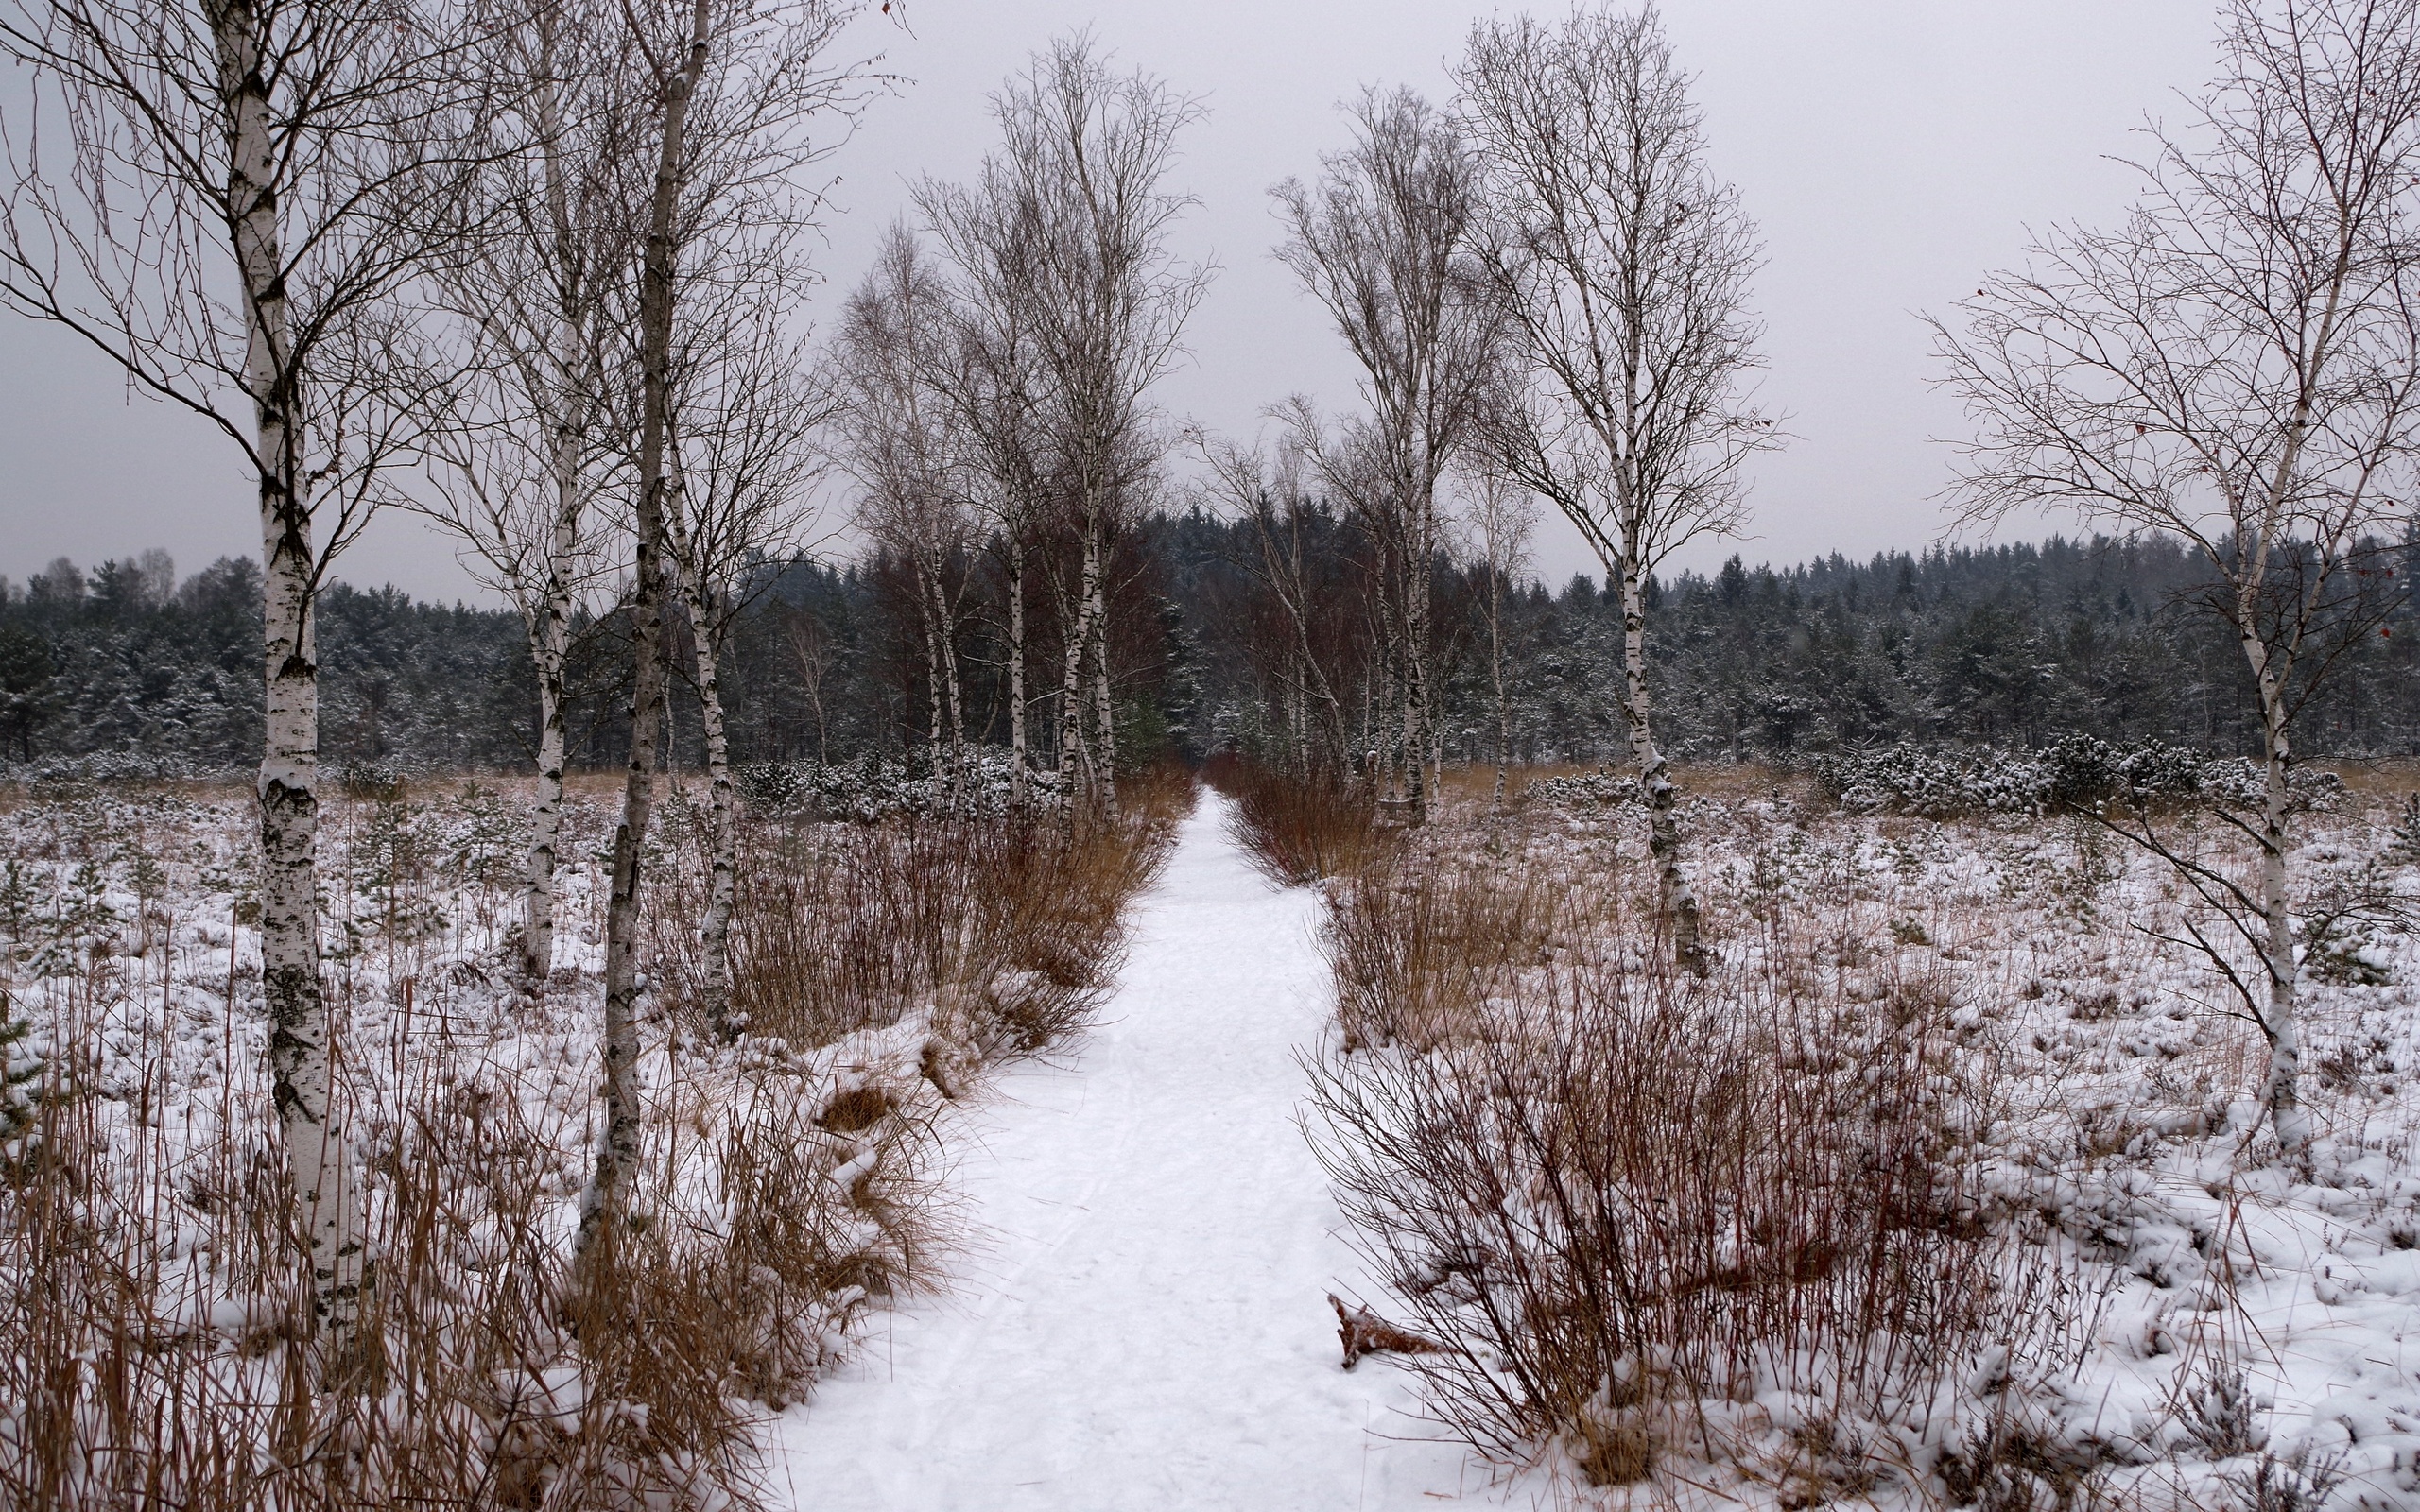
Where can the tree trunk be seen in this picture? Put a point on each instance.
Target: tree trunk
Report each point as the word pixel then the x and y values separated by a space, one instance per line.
pixel 301 1037
pixel 1495 668
pixel 547 650
pixel 954 704
pixel 1654 776
pixel 1071 703
pixel 932 671
pixel 723 838
pixel 618 1154
pixel 550 627
pixel 1016 674
pixel 2280 1023
pixel 1415 653
pixel 1104 707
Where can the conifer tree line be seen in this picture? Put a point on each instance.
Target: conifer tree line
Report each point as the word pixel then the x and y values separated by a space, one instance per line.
pixel 2008 645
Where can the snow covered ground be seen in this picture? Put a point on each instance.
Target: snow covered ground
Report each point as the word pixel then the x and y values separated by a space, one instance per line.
pixel 1142 1322
pixel 1140 1319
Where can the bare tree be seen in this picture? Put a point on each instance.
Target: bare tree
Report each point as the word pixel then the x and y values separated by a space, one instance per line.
pixel 816 658
pixel 1621 265
pixel 2236 367
pixel 1084 152
pixel 228 227
pixel 745 422
pixel 1498 519
pixel 522 447
pixel 1273 493
pixel 897 440
pixel 988 370
pixel 730 89
pixel 1383 242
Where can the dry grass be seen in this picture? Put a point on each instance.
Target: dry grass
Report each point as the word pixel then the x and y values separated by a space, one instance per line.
pixel 154 1351
pixel 154 1345
pixel 1004 932
pixel 1629 1200
pixel 1300 829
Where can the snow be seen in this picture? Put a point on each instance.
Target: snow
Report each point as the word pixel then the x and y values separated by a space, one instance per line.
pixel 1142 1320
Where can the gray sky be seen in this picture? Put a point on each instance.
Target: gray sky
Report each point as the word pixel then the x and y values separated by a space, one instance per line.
pixel 1892 151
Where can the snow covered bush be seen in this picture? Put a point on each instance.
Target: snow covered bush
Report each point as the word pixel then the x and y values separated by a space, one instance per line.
pixel 1602 788
pixel 1946 1187
pixel 106 767
pixel 2074 772
pixel 876 786
pixel 153 1312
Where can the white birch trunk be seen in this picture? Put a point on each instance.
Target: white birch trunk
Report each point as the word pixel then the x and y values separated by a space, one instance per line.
pixel 617 1152
pixel 1415 652
pixel 1496 670
pixel 1071 705
pixel 932 671
pixel 302 1036
pixel 954 705
pixel 547 644
pixel 1104 706
pixel 2280 1022
pixel 1654 777
pixel 723 831
pixel 1017 797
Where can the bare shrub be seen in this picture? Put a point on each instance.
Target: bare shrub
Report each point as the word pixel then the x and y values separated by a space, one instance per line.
pixel 1300 828
pixel 1618 1194
pixel 1002 930
pixel 1417 948
pixel 155 1340
pixel 153 1321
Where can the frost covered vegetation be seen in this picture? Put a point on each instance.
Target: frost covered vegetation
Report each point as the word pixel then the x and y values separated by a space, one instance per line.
pixel 154 1306
pixel 1946 1184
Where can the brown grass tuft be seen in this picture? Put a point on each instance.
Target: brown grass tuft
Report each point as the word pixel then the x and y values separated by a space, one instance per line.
pixel 1301 829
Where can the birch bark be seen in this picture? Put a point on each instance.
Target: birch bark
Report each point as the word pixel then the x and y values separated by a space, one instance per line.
pixel 617 1152
pixel 301 1037
pixel 1679 899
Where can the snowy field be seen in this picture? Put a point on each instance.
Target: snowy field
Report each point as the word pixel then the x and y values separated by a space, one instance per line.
pixel 2186 1322
pixel 1099 1278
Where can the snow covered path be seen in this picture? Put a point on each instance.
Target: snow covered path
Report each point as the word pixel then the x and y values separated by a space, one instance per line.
pixel 1144 1325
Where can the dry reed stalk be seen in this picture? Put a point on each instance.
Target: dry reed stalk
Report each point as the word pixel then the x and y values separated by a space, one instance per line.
pixel 149 1352
pixel 1621 1196
pixel 1301 829
pixel 1003 931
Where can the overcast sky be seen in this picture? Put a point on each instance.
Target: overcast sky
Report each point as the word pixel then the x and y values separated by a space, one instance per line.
pixel 1890 150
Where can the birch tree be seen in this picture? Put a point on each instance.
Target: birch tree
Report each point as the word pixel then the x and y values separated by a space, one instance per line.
pixel 1087 152
pixel 214 197
pixel 1273 494
pixel 988 371
pixel 729 92
pixel 896 441
pixel 1621 265
pixel 523 447
pixel 2236 365
pixel 1383 243
pixel 1498 521
pixel 746 420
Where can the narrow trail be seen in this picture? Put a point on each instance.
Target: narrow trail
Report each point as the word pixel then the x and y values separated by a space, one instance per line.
pixel 1142 1325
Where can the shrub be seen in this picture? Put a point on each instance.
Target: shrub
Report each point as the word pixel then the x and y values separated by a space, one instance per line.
pixel 2076 771
pixel 1300 827
pixel 1002 933
pixel 1627 1200
pixel 875 787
